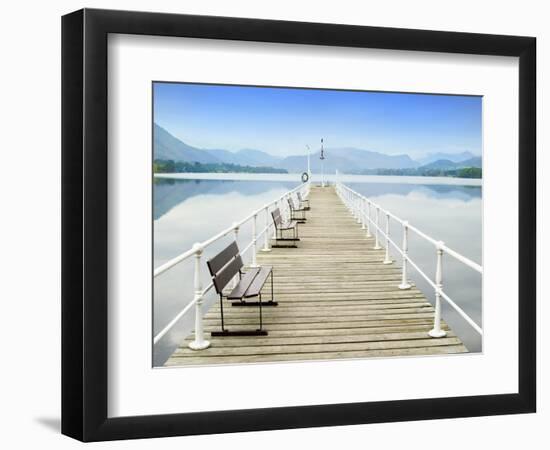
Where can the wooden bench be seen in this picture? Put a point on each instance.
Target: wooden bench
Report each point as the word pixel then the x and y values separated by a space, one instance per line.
pixel 304 202
pixel 224 267
pixel 280 227
pixel 296 213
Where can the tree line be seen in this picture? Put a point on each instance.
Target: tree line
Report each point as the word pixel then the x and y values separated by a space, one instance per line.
pixel 464 172
pixel 170 166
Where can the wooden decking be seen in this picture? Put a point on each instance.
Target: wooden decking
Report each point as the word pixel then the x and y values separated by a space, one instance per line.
pixel 336 300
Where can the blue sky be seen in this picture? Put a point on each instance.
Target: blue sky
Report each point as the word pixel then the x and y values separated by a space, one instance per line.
pixel 283 121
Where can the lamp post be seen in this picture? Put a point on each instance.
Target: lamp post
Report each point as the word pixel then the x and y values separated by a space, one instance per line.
pixel 322 158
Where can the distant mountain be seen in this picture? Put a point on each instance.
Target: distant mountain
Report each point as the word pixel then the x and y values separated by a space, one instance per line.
pixel 454 157
pixel 348 160
pixel 472 162
pixel 375 160
pixel 258 158
pixel 446 164
pixel 168 147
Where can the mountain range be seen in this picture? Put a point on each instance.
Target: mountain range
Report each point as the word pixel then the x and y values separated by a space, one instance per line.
pixel 168 147
pixel 453 157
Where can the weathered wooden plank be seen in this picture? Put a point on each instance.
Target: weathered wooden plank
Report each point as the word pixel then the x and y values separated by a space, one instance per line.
pixel 326 312
pixel 325 319
pixel 321 332
pixel 319 307
pixel 215 325
pixel 316 348
pixel 328 339
pixel 402 352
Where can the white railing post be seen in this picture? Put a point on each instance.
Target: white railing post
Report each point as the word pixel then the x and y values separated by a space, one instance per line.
pixel 254 241
pixel 404 282
pixel 358 208
pixel 368 219
pixel 387 259
pixel 235 280
pixel 274 228
pixel 199 343
pixel 363 211
pixel 437 332
pixel 377 243
pixel 266 234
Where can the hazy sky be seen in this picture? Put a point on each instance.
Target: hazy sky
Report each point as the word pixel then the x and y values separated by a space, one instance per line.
pixel 282 121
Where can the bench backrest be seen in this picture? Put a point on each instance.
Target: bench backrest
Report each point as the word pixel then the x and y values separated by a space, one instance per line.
pixel 299 195
pixel 224 266
pixel 277 219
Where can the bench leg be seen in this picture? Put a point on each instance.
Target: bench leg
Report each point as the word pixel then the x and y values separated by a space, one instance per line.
pixel 221 310
pixel 260 300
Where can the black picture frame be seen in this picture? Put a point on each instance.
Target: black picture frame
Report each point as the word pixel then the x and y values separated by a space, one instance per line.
pixel 84 224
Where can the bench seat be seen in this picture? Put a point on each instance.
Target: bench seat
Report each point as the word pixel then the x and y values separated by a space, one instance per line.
pixel 259 281
pixel 246 280
pixel 251 283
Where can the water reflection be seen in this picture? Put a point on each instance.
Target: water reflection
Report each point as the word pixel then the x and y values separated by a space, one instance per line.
pixel 188 211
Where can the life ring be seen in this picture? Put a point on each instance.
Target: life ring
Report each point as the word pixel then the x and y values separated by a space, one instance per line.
pixel 305 177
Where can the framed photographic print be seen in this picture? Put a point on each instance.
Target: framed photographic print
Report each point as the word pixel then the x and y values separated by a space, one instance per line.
pixel 273 224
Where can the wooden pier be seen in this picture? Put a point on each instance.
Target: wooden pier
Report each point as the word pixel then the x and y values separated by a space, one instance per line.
pixel 336 300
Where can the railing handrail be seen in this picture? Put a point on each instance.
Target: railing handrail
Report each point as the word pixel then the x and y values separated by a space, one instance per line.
pixel 440 247
pixel 197 251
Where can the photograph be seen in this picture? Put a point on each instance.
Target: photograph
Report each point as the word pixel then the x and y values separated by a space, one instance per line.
pixel 297 224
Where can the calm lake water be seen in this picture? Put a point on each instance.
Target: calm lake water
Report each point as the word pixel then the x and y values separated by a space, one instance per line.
pixel 188 210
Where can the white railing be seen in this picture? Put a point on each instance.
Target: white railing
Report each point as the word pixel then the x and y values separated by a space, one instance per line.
pixel 362 207
pixel 197 250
